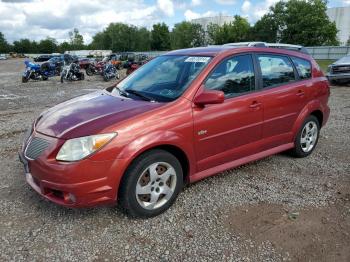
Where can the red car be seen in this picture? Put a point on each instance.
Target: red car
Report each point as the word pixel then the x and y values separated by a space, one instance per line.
pixel 180 118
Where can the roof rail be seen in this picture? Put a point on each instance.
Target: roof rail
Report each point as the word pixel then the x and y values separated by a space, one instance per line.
pixel 257 44
pixel 272 45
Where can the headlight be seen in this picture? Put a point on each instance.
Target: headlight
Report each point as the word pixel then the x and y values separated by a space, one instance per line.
pixel 78 148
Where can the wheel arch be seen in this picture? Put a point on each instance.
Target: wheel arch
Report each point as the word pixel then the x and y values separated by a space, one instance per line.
pixel 319 115
pixel 314 108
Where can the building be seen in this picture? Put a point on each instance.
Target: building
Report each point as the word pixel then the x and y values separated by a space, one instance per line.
pixel 218 20
pixel 341 16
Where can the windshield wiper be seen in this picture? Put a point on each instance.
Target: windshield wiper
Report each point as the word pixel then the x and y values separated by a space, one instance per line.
pixel 121 92
pixel 137 93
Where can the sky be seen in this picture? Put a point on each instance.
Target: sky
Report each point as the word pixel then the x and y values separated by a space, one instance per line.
pixel 37 19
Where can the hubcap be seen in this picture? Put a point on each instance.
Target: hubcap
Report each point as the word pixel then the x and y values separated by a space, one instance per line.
pixel 156 185
pixel 308 136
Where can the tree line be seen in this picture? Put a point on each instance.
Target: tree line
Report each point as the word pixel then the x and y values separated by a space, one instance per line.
pixel 303 22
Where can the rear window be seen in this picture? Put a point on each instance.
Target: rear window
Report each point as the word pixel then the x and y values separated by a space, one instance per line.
pixel 276 70
pixel 303 67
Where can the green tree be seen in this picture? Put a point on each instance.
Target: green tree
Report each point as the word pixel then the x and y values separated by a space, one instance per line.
pixel 48 46
pixel 348 42
pixel 186 34
pixel 143 39
pixel 160 36
pixel 4 46
pixel 22 46
pixel 302 22
pixel 64 46
pixel 236 31
pixel 76 40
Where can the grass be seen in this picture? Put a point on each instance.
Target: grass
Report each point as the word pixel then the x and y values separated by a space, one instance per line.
pixel 324 63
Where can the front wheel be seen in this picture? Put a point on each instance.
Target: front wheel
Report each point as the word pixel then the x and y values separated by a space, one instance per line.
pixel 89 71
pixel 151 184
pixel 307 137
pixel 105 78
pixel 62 78
pixel 24 79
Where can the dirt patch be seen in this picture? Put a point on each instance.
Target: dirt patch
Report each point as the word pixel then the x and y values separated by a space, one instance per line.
pixel 302 235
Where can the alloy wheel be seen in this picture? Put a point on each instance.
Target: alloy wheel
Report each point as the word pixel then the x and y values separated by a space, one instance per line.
pixel 156 185
pixel 308 136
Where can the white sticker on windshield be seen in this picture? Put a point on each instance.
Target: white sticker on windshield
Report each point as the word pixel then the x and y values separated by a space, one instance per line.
pixel 197 59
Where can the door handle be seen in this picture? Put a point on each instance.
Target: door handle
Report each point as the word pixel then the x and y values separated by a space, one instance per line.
pixel 255 105
pixel 300 93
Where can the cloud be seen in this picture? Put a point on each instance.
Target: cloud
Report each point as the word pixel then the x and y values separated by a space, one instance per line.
pixel 255 12
pixel 190 15
pixel 166 6
pixel 41 18
pixel 226 2
pixel 196 2
pixel 246 6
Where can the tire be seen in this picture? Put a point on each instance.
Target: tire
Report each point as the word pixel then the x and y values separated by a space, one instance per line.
pixel 45 78
pixel 62 78
pixel 82 76
pixel 301 149
pixel 24 79
pixel 105 78
pixel 89 71
pixel 135 204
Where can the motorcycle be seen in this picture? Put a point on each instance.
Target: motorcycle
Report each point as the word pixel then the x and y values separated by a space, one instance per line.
pixel 72 72
pixel 40 72
pixel 109 72
pixel 95 68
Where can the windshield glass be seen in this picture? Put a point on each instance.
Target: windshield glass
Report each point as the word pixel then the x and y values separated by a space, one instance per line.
pixel 164 78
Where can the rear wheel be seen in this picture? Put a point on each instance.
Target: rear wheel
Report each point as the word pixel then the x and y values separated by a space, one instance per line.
pixel 82 76
pixel 151 184
pixel 307 137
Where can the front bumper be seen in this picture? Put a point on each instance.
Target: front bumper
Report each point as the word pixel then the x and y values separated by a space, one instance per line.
pixel 343 77
pixel 84 183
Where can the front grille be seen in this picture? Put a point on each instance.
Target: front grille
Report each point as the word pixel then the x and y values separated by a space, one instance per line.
pixel 341 69
pixel 36 147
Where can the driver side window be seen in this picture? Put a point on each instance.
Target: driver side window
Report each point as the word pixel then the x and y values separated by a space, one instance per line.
pixel 234 76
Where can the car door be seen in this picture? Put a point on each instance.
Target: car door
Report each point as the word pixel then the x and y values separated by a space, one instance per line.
pixel 228 131
pixel 284 96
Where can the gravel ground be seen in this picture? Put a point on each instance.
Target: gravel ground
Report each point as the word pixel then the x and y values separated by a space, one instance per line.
pixel 275 209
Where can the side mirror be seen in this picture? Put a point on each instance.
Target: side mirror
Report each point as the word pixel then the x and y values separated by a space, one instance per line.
pixel 209 97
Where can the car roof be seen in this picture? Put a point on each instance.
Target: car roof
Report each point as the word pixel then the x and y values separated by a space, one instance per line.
pixel 222 49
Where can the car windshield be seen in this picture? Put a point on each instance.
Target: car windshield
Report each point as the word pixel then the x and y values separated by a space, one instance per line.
pixel 164 78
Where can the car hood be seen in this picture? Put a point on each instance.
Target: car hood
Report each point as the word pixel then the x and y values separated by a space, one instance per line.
pixel 89 114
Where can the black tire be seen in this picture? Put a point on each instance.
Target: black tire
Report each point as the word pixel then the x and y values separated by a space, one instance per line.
pixel 24 79
pixel 298 151
pixel 105 78
pixel 89 71
pixel 45 78
pixel 82 76
pixel 62 78
pixel 127 196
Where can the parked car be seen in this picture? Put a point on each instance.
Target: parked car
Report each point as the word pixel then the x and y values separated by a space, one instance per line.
pixel 339 71
pixel 3 57
pixel 181 117
pixel 42 58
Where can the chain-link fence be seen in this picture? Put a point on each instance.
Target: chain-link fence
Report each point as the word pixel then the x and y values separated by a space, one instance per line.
pixel 328 52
